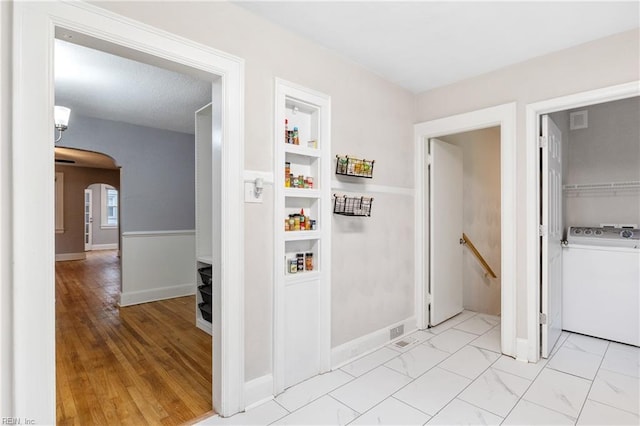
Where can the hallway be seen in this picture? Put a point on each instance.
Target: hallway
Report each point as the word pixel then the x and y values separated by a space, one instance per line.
pixel 143 364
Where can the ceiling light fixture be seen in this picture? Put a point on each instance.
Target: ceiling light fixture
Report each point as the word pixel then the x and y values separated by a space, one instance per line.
pixel 61 118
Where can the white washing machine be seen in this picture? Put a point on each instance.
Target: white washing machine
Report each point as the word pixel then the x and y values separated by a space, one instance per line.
pixel 601 283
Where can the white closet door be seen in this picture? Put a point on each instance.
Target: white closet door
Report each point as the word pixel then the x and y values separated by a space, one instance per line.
pixel 445 197
pixel 551 306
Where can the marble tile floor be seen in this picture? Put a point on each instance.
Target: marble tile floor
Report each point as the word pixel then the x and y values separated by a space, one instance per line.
pixel 454 374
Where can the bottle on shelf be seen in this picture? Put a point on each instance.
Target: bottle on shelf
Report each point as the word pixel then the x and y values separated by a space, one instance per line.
pixel 296 139
pixel 286 130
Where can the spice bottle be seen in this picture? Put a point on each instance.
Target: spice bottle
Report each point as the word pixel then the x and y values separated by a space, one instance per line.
pixel 286 130
pixel 287 172
pixel 300 261
pixel 308 261
pixel 296 139
pixel 293 266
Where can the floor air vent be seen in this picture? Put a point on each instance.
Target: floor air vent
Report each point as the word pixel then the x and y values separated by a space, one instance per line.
pixel 405 342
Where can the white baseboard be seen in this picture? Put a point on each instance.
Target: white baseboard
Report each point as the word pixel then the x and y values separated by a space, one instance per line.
pixel 205 326
pixel 347 352
pixel 155 294
pixel 112 246
pixel 522 349
pixel 70 256
pixel 258 391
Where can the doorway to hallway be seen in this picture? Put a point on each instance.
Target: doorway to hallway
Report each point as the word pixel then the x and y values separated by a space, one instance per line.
pixel 502 116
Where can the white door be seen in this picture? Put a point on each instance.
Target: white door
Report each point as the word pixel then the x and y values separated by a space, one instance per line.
pixel 445 250
pixel 551 230
pixel 88 219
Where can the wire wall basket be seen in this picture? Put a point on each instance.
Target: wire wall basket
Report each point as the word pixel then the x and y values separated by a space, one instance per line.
pixel 349 166
pixel 352 206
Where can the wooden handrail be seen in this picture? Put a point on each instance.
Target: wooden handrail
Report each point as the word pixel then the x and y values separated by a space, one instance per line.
pixel 474 250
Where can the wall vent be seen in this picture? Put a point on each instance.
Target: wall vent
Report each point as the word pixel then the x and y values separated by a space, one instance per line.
pixel 578 120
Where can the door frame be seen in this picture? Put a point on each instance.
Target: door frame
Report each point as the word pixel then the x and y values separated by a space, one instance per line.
pixel 504 116
pixel 533 179
pixel 33 314
pixel 90 229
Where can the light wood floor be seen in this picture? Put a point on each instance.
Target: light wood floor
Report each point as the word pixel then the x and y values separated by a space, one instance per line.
pixel 144 364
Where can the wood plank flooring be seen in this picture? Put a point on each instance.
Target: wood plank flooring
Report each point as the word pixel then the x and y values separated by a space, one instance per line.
pixel 143 364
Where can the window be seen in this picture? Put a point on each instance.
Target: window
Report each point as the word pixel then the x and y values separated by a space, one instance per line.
pixel 109 204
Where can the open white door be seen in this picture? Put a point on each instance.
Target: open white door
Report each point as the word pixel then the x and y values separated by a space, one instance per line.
pixel 88 219
pixel 445 250
pixel 551 231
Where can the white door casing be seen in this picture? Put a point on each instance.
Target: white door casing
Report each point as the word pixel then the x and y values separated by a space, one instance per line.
pixel 33 316
pixel 533 180
pixel 551 230
pixel 88 219
pixel 505 117
pixel 445 192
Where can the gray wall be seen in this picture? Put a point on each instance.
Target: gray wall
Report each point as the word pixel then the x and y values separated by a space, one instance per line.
pixel 481 216
pixel 607 151
pixel 157 181
pixel 99 235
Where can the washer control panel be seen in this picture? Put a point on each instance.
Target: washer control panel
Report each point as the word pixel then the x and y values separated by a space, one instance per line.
pixel 604 236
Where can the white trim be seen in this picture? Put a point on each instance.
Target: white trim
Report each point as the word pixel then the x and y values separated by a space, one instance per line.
pixel 533 113
pixel 284 90
pixel 62 257
pixel 112 246
pixel 365 187
pixel 258 391
pixel 155 294
pixel 252 175
pixel 522 349
pixel 505 117
pixel 158 233
pixel 364 345
pixel 32 167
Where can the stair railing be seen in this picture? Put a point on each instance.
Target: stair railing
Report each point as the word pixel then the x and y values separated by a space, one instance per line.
pixel 467 242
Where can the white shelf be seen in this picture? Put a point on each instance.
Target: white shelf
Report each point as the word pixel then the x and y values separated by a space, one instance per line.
pixel 301 235
pixel 205 259
pixel 302 150
pixel 302 301
pixel 604 187
pixel 302 193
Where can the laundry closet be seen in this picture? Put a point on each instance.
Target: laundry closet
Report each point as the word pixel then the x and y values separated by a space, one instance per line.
pixel 600 160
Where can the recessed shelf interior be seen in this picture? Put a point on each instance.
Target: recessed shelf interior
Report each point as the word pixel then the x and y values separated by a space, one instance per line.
pixel 304 166
pixel 292 248
pixel 305 117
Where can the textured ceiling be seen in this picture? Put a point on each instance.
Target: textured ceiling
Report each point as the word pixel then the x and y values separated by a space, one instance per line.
pixel 421 45
pixel 102 85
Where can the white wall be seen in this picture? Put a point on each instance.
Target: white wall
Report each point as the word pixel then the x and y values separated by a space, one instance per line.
pixel 370 117
pixel 607 151
pixel 481 216
pixel 601 63
pixel 157 265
